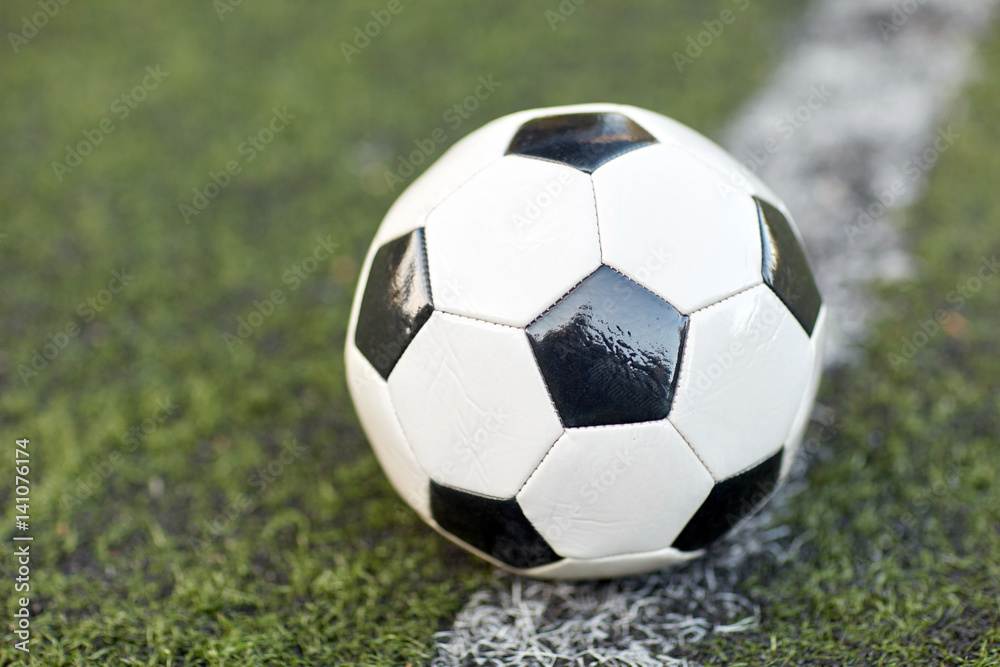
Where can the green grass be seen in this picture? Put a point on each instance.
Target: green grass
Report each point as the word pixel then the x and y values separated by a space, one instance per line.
pixel 316 561
pixel 903 509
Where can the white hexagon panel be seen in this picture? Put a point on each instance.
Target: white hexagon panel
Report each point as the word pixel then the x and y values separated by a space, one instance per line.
pixel 575 352
pixel 512 240
pixel 472 404
pixel 746 367
pixel 582 497
pixel 657 208
pixel 736 175
pixel 460 163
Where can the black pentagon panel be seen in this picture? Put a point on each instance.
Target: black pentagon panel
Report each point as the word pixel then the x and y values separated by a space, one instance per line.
pixel 729 502
pixel 494 526
pixel 396 303
pixel 786 267
pixel 609 352
pixel 581 140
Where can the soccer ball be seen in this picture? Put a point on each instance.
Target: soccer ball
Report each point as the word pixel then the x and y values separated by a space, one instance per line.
pixel 586 342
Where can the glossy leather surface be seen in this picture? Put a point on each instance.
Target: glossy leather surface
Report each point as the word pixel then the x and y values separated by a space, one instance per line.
pixel 582 140
pixel 785 267
pixel 609 352
pixel 729 502
pixel 396 302
pixel 494 526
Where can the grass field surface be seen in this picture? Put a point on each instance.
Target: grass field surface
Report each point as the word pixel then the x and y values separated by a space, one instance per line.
pixel 174 304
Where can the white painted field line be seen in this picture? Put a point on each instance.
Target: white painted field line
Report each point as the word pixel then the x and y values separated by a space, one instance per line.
pixel 880 79
pixel 882 75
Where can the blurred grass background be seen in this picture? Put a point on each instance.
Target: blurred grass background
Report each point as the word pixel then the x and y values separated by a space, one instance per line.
pixel 314 560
